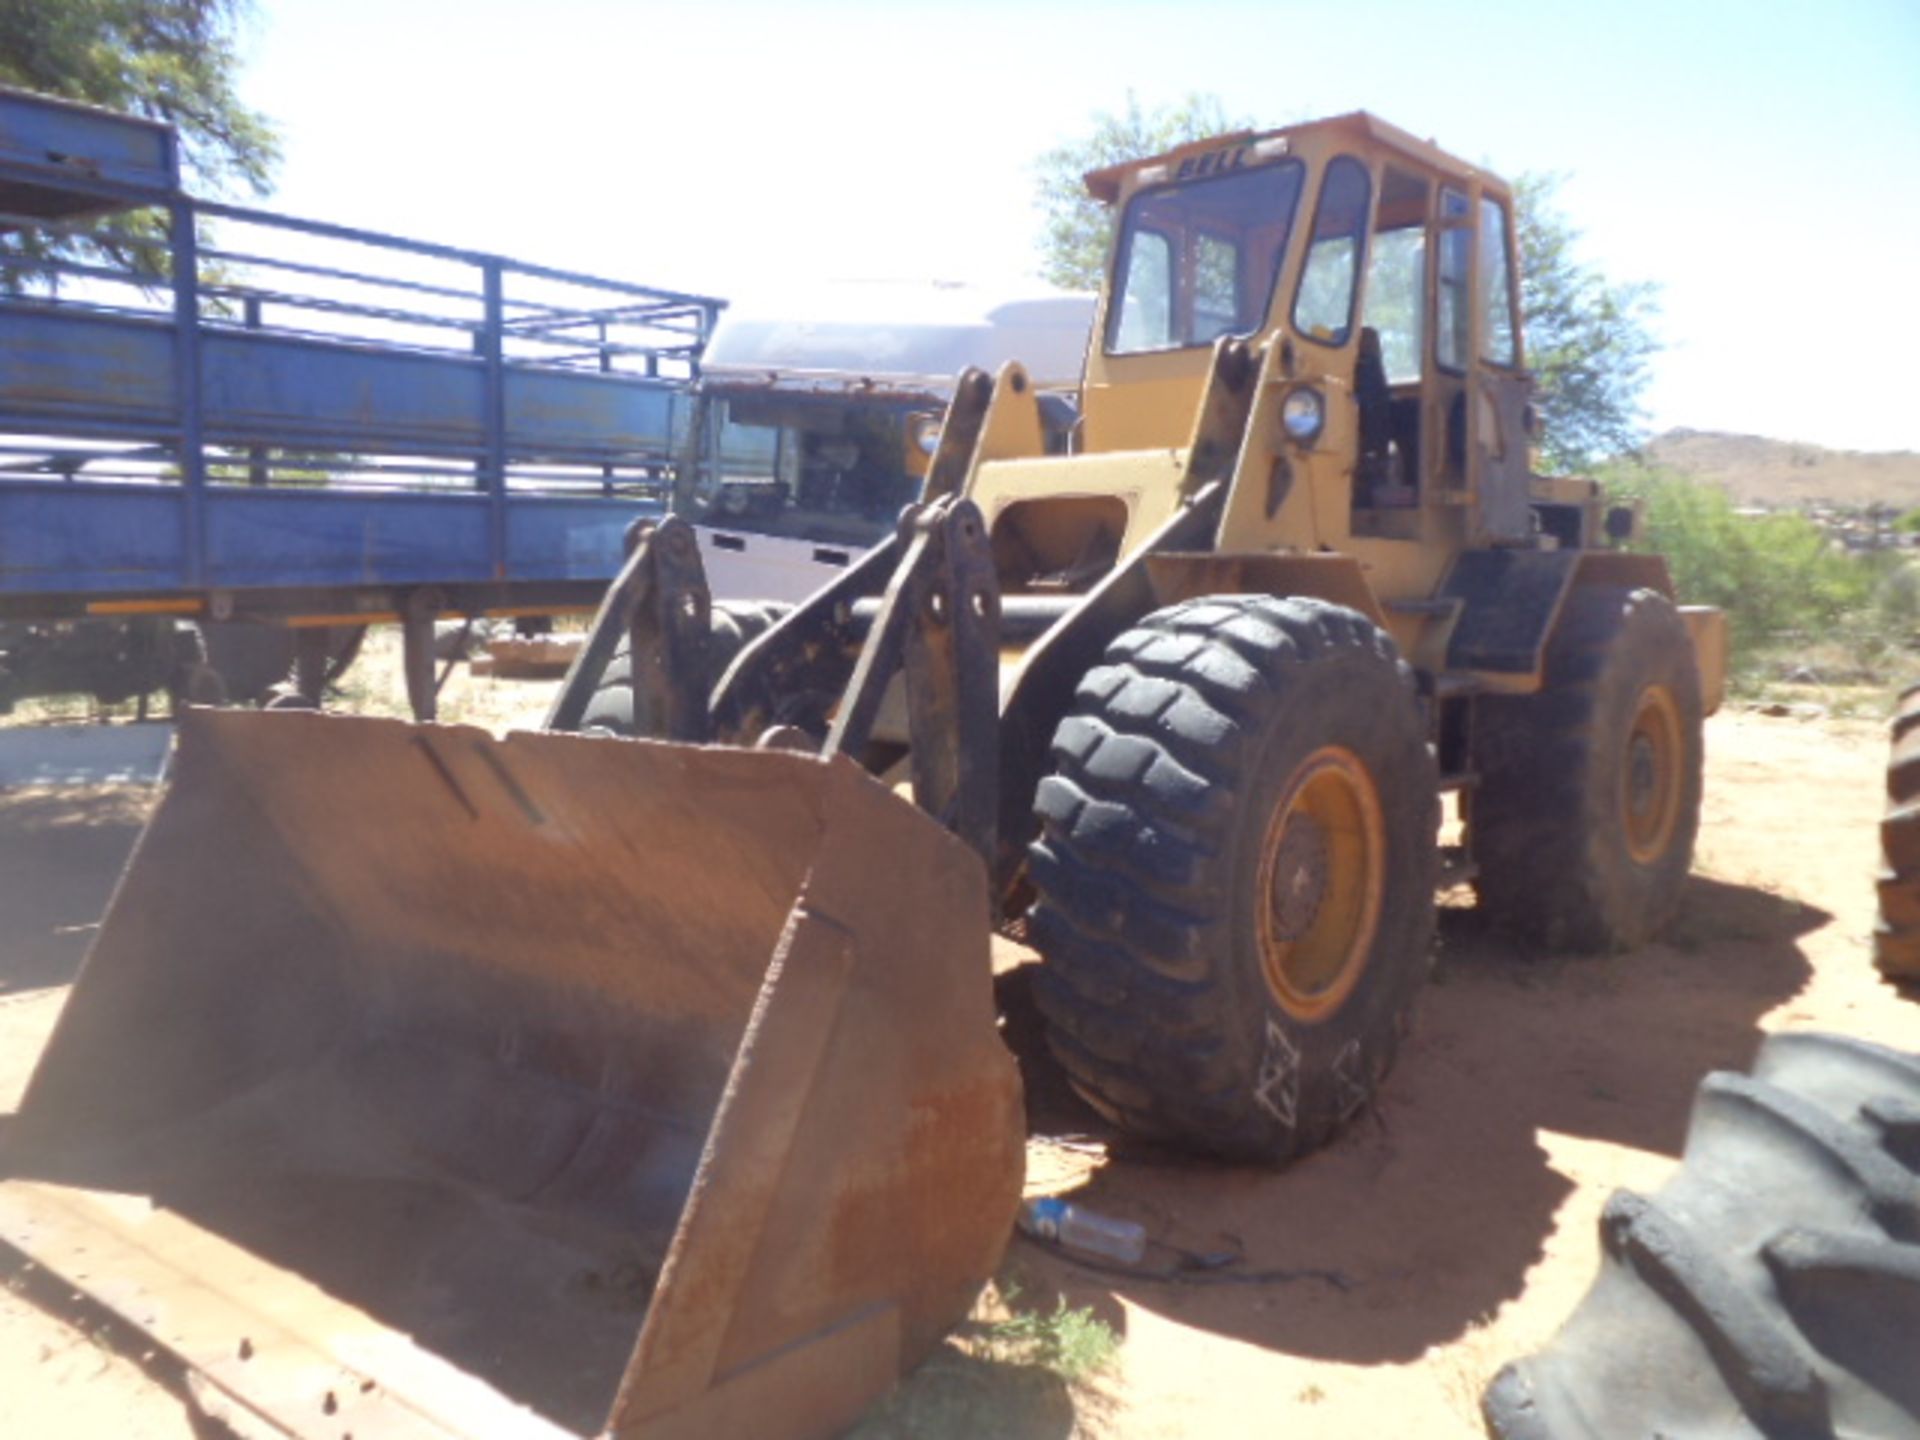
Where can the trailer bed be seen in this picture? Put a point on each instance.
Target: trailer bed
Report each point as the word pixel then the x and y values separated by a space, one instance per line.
pixel 212 410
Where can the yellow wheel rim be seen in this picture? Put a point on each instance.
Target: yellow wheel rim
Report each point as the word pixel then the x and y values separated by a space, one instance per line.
pixel 1650 776
pixel 1321 878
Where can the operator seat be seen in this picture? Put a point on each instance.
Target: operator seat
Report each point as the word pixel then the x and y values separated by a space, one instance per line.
pixel 1375 399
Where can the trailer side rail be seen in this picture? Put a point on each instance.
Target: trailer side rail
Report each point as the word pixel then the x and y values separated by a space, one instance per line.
pixel 202 399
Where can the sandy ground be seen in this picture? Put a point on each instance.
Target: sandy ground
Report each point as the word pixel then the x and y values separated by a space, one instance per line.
pixel 1382 1282
pixel 1456 1227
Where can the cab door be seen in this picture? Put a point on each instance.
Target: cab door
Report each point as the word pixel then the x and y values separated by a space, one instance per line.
pixel 1500 387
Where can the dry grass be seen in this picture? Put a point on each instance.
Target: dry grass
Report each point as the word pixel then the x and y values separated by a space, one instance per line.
pixel 376 686
pixel 373 686
pixel 1014 1370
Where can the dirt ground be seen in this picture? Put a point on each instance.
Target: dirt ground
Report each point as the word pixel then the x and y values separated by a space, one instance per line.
pixel 1378 1285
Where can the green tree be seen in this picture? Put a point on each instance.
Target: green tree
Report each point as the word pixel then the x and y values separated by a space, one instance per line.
pixel 1792 595
pixel 1077 230
pixel 1588 338
pixel 170 60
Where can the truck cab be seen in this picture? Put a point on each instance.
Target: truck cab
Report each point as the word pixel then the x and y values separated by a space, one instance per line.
pixel 817 414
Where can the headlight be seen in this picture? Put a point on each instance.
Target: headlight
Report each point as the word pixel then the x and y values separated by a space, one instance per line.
pixel 1302 414
pixel 924 431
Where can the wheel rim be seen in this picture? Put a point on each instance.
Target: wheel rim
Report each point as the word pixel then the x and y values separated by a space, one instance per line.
pixel 1322 874
pixel 1650 777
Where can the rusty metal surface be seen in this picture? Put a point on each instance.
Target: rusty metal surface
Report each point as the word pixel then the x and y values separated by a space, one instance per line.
pixel 661 606
pixel 511 1087
pixel 938 625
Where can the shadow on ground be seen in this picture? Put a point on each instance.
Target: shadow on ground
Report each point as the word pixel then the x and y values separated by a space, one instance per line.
pixel 1426 1216
pixel 61 851
pixel 1418 1223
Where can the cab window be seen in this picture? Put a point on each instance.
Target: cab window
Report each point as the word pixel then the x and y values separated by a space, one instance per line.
pixel 1497 330
pixel 1199 258
pixel 1453 282
pixel 1396 285
pixel 1323 308
pixel 1216 287
pixel 1146 307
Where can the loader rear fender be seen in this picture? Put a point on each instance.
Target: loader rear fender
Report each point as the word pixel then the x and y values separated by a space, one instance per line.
pixel 1510 603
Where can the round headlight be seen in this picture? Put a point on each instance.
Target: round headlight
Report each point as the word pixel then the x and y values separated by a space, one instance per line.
pixel 924 431
pixel 1302 414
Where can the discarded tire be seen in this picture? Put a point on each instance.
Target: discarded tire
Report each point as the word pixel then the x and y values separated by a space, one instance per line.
pixel 735 624
pixel 1772 1287
pixel 1896 935
pixel 1235 874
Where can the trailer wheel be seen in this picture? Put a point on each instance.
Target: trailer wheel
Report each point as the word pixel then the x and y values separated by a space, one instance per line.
pixel 735 624
pixel 1583 821
pixel 193 680
pixel 1235 874
pixel 1771 1287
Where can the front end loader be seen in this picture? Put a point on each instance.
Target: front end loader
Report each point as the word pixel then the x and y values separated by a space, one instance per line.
pixel 639 1077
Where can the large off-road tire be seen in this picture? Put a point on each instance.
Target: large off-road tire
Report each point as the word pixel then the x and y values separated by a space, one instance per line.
pixel 1896 935
pixel 1772 1287
pixel 734 625
pixel 1583 820
pixel 1235 874
pixel 254 660
pixel 250 658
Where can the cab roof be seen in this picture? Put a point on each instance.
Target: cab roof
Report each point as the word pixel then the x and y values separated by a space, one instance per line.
pixel 1105 184
pixel 899 338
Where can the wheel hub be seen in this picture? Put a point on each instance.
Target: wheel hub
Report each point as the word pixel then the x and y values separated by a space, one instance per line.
pixel 1643 775
pixel 1299 883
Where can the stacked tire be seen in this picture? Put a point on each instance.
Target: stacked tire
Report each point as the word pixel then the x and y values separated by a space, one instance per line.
pixel 736 624
pixel 1896 938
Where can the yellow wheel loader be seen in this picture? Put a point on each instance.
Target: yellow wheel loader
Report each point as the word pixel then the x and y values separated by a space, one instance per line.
pixel 422 1083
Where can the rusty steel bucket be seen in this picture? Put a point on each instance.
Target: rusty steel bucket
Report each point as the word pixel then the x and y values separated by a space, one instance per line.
pixel 422 1084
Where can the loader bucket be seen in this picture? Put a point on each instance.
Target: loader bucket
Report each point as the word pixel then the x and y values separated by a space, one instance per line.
pixel 422 1084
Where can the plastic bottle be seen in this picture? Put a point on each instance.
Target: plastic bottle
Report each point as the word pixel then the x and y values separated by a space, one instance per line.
pixel 1088 1231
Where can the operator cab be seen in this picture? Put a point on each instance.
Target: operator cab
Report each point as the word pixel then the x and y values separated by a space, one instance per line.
pixel 1384 266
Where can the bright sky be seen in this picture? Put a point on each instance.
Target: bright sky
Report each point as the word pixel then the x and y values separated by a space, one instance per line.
pixel 1759 160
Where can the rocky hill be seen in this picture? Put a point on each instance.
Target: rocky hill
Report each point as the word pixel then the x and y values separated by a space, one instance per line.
pixel 1787 474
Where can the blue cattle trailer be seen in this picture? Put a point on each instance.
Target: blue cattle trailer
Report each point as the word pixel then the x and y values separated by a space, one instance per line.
pixel 214 412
